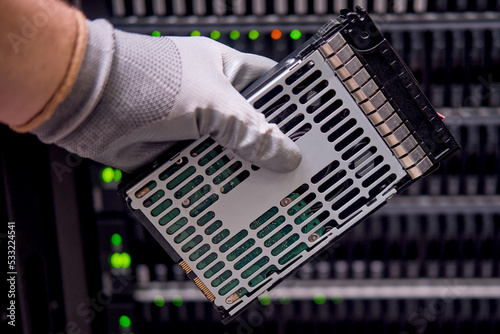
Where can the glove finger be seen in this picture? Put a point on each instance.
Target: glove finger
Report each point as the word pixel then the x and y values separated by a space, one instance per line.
pixel 239 127
pixel 241 69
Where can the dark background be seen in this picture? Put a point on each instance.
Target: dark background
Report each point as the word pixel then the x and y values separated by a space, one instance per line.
pixel 428 262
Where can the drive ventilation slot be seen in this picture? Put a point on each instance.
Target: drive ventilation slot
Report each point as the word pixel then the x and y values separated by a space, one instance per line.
pixel 169 217
pixel 145 190
pixel 235 182
pixel 349 139
pixel 263 275
pixel 315 222
pixel 270 227
pixel 322 115
pixel 248 258
pixel 231 285
pixel 308 213
pixel 202 147
pixel 284 114
pixel 154 198
pixel 203 205
pixel 306 82
pixel 375 176
pixel 176 226
pixel 196 196
pixel 334 121
pixel 294 195
pixel 192 243
pixel 285 244
pixel 210 155
pixel 221 278
pixel 253 268
pixel 339 190
pixel 214 269
pixel 276 105
pixel 353 207
pixel 173 169
pixel 332 180
pixel 221 236
pixel 233 241
pixel 322 100
pixel 293 253
pixel 368 167
pixel 382 185
pixel 325 171
pixel 217 165
pixel 299 73
pixel 199 252
pixel 213 227
pixel 265 217
pixel 162 207
pixel 206 261
pixel 227 172
pixel 206 218
pixel 358 161
pixel 181 177
pixel 240 249
pixel 355 148
pixel 278 235
pixel 184 235
pixel 292 123
pixel 313 92
pixel 346 198
pixel 300 132
pixel 301 204
pixel 188 187
pixel 342 130
pixel 268 97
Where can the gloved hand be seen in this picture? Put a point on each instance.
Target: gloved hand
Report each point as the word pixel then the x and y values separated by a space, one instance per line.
pixel 135 95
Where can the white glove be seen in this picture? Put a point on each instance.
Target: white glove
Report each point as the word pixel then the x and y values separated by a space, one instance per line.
pixel 135 95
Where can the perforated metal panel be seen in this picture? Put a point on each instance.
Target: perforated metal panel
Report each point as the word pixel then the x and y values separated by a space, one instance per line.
pixel 238 228
pixel 362 124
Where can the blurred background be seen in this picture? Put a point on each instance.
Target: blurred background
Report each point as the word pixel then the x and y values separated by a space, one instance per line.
pixel 428 262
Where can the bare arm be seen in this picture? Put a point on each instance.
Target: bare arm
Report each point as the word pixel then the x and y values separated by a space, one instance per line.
pixel 36 45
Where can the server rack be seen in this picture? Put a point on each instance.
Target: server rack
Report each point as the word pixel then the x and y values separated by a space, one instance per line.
pixel 427 262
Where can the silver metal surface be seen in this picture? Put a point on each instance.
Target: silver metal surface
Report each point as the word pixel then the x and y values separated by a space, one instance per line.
pixel 264 189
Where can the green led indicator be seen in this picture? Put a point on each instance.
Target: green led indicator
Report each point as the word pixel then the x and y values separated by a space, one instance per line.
pixel 116 260
pixel 215 34
pixel 159 301
pixel 285 300
pixel 265 299
pixel 337 300
pixel 120 260
pixel 156 33
pixel 116 239
pixel 126 260
pixel 177 300
pixel 234 35
pixel 319 298
pixel 295 34
pixel 107 174
pixel 253 34
pixel 196 33
pixel 117 177
pixel 125 321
